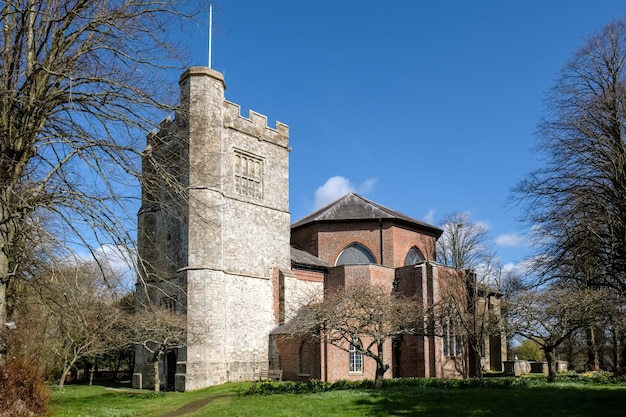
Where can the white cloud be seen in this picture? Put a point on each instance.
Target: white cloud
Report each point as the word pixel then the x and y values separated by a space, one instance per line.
pixel 484 225
pixel 429 217
pixel 367 186
pixel 120 260
pixel 510 240
pixel 523 268
pixel 338 186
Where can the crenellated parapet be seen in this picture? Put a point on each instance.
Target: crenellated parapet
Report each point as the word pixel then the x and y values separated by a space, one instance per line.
pixel 214 180
pixel 255 125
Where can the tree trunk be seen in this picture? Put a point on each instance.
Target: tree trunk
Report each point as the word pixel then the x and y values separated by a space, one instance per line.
pixel 593 361
pixel 475 356
pixel 381 367
pixel 7 232
pixel 4 272
pixel 157 380
pixel 550 359
pixel 478 364
pixel 622 359
pixel 614 351
pixel 380 374
pixel 66 371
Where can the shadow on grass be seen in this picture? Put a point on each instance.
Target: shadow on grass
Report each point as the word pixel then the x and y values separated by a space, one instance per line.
pixel 515 401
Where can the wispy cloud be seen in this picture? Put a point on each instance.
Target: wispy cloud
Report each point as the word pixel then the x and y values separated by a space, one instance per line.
pixel 429 217
pixel 120 260
pixel 511 240
pixel 338 186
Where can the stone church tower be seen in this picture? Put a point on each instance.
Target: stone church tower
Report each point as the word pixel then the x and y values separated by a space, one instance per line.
pixel 217 248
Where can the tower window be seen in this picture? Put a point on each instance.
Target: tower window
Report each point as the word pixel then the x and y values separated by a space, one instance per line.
pixel 355 254
pixel 169 303
pixel 248 174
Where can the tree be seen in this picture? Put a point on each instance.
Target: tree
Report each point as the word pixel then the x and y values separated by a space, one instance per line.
pixel 529 350
pixel 362 317
pixel 78 315
pixel 158 331
pixel 550 315
pixel 463 243
pixel 471 297
pixel 576 203
pixel 472 303
pixel 81 83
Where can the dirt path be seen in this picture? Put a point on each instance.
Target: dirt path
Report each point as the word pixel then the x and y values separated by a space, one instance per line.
pixel 195 405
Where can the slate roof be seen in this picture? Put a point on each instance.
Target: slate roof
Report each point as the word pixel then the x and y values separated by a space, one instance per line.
pixel 354 207
pixel 302 258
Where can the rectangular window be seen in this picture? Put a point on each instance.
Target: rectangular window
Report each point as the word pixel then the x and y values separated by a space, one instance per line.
pixel 356 358
pixel 248 174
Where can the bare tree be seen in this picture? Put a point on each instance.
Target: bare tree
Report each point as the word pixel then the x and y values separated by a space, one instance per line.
pixel 474 307
pixel 74 313
pixel 576 203
pixel 362 317
pixel 471 297
pixel 81 83
pixel 550 315
pixel 464 243
pixel 158 331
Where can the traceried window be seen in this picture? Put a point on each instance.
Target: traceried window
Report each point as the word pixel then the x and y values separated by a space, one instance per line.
pixel 355 254
pixel 452 340
pixel 414 256
pixel 356 358
pixel 248 174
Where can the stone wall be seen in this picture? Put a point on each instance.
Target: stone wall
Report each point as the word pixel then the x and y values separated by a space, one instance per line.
pixel 225 241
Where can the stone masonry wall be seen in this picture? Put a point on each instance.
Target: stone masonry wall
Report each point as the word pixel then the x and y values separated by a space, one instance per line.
pixel 233 254
pixel 228 241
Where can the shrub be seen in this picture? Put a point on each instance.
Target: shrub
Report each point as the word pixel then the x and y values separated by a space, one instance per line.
pixel 593 377
pixel 23 390
pixel 273 387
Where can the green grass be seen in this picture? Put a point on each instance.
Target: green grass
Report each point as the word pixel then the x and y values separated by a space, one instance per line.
pixel 572 399
pixel 101 401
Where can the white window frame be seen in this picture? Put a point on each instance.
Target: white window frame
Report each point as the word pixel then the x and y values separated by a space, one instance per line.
pixel 355 364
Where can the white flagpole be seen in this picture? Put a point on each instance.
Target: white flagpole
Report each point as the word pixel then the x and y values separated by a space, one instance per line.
pixel 210 31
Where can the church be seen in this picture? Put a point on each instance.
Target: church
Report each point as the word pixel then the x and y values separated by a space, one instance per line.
pixel 227 255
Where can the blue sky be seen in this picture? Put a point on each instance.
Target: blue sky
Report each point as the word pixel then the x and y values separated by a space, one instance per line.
pixel 426 107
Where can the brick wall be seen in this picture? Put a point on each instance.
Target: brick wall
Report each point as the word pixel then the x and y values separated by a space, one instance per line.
pixel 299 358
pixel 388 241
pixel 404 239
pixel 337 364
pixel 347 275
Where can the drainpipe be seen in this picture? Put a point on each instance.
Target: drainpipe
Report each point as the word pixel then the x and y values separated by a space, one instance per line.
pixel 380 232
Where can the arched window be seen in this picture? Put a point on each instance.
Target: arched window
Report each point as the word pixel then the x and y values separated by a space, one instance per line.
pixel 355 254
pixel 452 339
pixel 414 256
pixel 356 358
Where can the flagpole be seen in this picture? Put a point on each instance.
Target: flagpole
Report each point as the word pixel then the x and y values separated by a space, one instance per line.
pixel 210 31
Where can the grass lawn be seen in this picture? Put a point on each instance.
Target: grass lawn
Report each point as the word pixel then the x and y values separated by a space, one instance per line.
pixel 102 401
pixel 561 399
